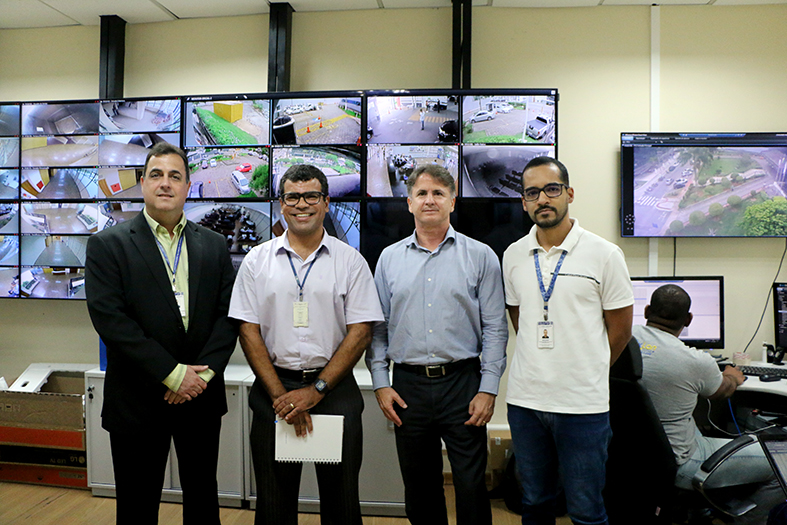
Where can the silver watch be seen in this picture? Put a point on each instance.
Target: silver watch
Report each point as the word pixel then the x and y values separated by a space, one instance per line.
pixel 321 386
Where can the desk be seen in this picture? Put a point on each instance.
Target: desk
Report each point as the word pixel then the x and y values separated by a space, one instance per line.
pixel 753 383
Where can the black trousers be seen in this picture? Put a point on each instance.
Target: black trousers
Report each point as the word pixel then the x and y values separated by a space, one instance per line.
pixel 278 483
pixel 437 408
pixel 139 458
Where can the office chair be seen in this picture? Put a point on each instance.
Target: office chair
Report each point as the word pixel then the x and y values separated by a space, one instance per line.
pixel 641 467
pixel 731 501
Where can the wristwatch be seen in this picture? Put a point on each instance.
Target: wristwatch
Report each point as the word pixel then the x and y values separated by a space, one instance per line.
pixel 320 386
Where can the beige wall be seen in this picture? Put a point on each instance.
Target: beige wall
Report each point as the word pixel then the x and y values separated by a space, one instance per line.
pixel 721 69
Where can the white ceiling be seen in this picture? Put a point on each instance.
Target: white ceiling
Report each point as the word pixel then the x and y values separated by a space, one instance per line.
pixel 16 14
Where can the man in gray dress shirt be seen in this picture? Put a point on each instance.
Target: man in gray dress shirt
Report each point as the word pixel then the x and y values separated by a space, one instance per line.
pixel 445 331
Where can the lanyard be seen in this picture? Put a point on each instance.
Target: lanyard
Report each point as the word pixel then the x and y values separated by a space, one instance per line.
pixel 297 280
pixel 177 257
pixel 546 294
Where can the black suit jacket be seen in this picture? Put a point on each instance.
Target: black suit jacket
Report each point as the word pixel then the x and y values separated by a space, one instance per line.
pixel 133 309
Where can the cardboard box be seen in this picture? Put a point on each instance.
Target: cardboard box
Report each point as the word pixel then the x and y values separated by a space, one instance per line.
pixel 42 427
pixel 500 449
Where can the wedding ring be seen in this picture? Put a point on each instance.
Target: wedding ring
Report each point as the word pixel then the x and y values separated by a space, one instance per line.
pixel 292 406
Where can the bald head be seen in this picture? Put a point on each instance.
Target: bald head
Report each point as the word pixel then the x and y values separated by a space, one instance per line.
pixel 669 306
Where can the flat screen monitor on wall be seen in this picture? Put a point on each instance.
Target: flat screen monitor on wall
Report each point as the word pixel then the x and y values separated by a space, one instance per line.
pixel 703 184
pixel 707 306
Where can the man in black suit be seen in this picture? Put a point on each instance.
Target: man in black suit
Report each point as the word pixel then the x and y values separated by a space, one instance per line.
pixel 158 290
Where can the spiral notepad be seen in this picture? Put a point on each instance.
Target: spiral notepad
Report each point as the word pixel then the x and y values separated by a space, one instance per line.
pixel 323 445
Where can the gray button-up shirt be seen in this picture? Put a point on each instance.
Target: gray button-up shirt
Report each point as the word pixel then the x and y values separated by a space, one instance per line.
pixel 440 307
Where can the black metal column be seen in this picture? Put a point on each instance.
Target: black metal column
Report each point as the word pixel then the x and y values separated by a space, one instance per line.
pixel 279 47
pixel 462 29
pixel 113 57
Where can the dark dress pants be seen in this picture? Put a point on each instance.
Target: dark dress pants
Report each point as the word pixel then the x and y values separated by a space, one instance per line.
pixel 438 408
pixel 139 459
pixel 278 483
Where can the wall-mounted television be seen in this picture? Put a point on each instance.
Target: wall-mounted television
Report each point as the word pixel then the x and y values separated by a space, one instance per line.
pixel 317 120
pixel 497 118
pixel 69 169
pixel 388 166
pixel 341 166
pixel 227 121
pixel 229 173
pixel 707 306
pixel 496 171
pixel 415 117
pixel 703 184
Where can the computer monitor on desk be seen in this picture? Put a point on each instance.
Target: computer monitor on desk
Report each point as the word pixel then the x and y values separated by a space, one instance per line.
pixel 707 306
pixel 780 314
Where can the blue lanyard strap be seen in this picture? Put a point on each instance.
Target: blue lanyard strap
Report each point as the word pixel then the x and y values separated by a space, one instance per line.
pixel 177 257
pixel 297 280
pixel 546 294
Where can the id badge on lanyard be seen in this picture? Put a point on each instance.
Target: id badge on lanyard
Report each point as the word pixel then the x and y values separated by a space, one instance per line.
pixel 545 330
pixel 300 308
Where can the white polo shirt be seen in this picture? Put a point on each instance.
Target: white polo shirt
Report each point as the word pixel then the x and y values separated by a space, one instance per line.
pixel 573 376
pixel 339 291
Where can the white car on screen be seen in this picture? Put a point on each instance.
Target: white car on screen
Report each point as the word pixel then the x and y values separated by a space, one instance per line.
pixel 240 182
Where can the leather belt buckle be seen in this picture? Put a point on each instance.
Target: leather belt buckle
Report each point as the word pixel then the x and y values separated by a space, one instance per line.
pixel 307 376
pixel 435 370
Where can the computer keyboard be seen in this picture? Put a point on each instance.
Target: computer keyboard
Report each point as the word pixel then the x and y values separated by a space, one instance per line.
pixel 763 370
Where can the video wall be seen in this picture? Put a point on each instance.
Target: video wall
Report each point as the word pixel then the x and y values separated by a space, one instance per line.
pixel 71 169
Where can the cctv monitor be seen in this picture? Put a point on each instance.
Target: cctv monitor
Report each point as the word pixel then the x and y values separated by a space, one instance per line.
pixel 227 121
pixel 229 173
pixel 59 119
pixel 503 118
pixel 703 184
pixel 9 123
pixel 340 164
pixel 51 282
pixel 412 117
pixel 9 184
pixel 343 221
pixel 9 282
pixel 139 116
pixel 243 224
pixel 496 171
pixel 707 306
pixel 9 152
pixel 388 166
pixel 315 120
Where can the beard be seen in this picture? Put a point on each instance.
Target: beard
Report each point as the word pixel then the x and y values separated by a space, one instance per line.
pixel 548 222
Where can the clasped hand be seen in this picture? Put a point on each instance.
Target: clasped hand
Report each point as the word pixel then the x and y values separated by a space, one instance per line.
pixel 293 407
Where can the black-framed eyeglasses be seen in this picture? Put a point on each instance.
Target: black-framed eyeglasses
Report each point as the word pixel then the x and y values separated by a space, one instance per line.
pixel 551 190
pixel 309 197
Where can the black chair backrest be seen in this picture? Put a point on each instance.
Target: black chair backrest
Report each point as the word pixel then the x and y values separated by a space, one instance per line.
pixel 641 467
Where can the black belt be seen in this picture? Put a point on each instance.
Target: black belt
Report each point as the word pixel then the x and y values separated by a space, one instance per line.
pixel 305 376
pixel 438 370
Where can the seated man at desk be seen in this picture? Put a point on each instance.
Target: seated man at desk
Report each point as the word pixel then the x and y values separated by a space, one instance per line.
pixel 675 375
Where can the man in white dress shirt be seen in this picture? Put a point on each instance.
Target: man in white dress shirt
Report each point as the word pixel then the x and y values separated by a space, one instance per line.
pixel 307 303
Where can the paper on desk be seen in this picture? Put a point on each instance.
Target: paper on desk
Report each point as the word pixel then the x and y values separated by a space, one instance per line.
pixel 323 445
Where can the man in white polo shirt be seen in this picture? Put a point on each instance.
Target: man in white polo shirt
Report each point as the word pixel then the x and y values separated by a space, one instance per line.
pixel 570 299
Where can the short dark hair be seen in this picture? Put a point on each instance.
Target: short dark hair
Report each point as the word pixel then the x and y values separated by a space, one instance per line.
pixel 670 304
pixel 543 161
pixel 160 149
pixel 437 172
pixel 303 173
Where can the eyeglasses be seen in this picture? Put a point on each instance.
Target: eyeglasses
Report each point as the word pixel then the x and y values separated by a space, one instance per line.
pixel 309 197
pixel 552 190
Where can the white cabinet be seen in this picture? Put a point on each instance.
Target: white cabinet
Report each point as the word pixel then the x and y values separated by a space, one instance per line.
pixel 381 487
pixel 101 478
